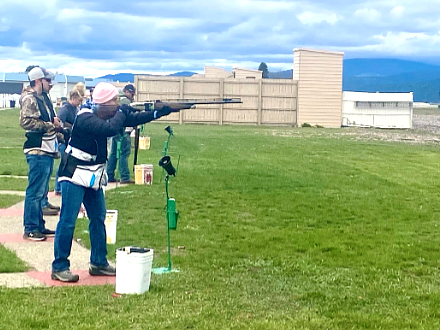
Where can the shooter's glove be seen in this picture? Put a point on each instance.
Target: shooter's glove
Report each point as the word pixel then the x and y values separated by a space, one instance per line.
pixel 164 111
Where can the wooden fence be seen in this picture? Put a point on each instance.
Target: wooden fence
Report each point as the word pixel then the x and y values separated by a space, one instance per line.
pixel 265 101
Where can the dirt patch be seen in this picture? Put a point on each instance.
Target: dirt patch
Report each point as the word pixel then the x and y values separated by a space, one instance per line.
pixel 426 130
pixel 429 123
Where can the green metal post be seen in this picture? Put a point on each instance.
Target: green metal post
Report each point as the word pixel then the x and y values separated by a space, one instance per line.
pixel 118 155
pixel 168 227
pixel 171 215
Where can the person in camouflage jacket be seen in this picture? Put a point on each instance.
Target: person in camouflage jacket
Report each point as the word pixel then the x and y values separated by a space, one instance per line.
pixel 40 149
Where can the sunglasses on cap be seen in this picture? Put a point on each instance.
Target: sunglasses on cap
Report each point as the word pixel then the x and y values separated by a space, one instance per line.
pixel 49 81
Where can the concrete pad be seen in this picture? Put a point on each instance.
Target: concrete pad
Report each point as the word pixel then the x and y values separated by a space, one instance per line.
pixel 11 212
pixel 39 255
pixel 51 221
pixel 84 279
pixel 12 224
pixel 53 195
pixel 18 238
pixel 19 280
pixel 12 220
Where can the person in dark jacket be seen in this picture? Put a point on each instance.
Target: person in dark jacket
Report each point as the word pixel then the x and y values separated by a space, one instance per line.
pixel 67 115
pixel 124 141
pixel 82 175
pixel 89 102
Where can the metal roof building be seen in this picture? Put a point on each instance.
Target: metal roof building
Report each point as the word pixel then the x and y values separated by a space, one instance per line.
pixel 64 83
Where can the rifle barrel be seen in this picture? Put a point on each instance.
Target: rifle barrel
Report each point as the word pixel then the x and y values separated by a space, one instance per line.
pixel 191 101
pixel 202 101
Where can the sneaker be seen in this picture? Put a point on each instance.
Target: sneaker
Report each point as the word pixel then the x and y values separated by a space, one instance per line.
pixel 49 211
pixel 102 270
pixel 53 207
pixel 127 181
pixel 113 180
pixel 65 276
pixel 35 236
pixel 48 232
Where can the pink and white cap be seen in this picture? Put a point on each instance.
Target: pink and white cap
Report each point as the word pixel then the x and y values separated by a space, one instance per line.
pixel 104 92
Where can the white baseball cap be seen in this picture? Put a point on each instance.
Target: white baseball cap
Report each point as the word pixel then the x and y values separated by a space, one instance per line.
pixel 36 73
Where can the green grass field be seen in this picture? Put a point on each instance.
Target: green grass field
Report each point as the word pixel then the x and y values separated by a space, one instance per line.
pixel 9 200
pixel 9 263
pixel 282 228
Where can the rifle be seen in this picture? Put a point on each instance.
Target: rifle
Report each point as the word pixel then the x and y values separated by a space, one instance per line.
pixel 175 105
pixel 180 104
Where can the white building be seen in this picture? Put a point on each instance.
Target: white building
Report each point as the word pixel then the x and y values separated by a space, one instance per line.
pixel 384 110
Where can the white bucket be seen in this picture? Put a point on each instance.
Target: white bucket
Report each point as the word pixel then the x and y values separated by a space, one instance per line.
pixel 111 220
pixel 133 269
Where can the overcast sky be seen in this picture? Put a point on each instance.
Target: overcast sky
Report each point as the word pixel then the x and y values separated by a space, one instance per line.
pixel 92 38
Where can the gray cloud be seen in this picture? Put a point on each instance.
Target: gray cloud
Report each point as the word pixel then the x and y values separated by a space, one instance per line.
pixel 94 37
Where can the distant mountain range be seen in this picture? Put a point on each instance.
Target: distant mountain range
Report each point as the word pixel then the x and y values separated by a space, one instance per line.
pixel 129 77
pixel 387 75
pixel 391 75
pixel 123 77
pixel 367 75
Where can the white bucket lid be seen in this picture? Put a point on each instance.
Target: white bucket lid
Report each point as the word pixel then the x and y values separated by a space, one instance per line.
pixel 133 249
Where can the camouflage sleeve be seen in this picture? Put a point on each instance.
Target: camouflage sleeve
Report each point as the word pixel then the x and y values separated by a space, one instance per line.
pixel 30 117
pixel 61 138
